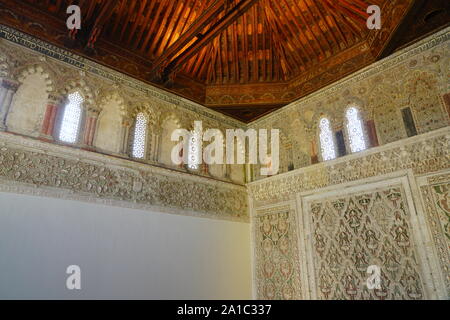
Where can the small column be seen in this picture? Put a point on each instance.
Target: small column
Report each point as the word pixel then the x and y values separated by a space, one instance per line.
pixel 340 142
pixel 204 169
pixel 48 125
pixel 2 93
pixel 154 147
pixel 126 125
pixel 227 174
pixel 7 90
pixel 90 127
pixel 372 133
pixel 314 155
pixel 184 162
pixel 446 98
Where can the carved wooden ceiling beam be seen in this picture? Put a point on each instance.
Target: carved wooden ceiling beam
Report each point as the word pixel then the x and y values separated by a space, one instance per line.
pixel 184 49
pixel 194 30
pixel 239 63
pixel 106 11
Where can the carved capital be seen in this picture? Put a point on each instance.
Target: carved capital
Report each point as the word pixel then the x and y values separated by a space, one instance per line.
pixel 10 84
pixel 56 100
pixel 127 122
pixel 93 112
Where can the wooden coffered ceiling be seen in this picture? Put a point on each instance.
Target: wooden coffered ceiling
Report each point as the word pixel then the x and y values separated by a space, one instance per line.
pixel 244 58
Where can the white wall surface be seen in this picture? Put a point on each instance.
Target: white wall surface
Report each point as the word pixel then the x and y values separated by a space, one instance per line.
pixel 123 253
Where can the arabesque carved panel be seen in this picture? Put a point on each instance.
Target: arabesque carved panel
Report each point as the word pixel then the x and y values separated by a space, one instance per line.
pixel 435 194
pixel 278 271
pixel 97 177
pixel 351 232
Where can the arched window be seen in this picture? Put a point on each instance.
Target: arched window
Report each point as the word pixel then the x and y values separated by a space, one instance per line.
pixel 327 147
pixel 355 130
pixel 70 125
pixel 140 136
pixel 194 151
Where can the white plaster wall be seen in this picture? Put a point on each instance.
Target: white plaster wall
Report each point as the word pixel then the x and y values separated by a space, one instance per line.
pixel 122 253
pixel 109 127
pixel 28 106
pixel 167 144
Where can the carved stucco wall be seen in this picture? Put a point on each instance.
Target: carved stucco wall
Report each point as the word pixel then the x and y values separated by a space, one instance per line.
pixel 108 137
pixel 40 168
pixel 277 264
pixel 415 77
pixel 28 106
pixel 43 71
pixel 169 125
pixel 285 256
pixel 344 215
pixel 351 231
pixel 435 192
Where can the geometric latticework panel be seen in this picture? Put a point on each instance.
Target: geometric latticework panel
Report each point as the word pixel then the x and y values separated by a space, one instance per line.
pixel 70 125
pixel 355 130
pixel 326 140
pixel 140 136
pixel 351 233
pixel 277 254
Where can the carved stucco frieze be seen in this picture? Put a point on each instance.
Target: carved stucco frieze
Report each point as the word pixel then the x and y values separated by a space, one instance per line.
pixel 414 78
pixel 32 163
pixel 423 154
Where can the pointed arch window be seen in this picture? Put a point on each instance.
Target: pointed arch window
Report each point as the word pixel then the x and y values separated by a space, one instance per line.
pixel 327 146
pixel 70 125
pixel 140 136
pixel 355 130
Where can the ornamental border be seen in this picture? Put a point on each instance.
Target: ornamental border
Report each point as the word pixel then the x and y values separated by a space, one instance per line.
pixel 322 172
pixel 29 145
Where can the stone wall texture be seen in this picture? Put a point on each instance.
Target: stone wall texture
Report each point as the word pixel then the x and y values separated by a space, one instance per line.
pixel 317 228
pixel 415 78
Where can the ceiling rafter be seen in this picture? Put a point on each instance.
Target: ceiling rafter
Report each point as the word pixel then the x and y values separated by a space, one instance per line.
pixel 180 54
pixel 293 34
pixel 139 18
pixel 273 49
pixel 278 31
pixel 194 31
pixel 304 38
